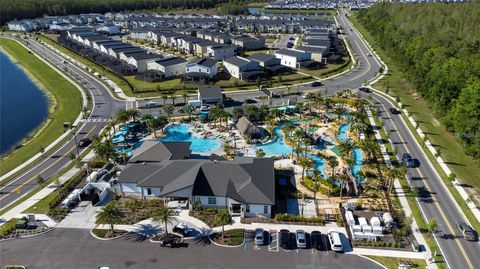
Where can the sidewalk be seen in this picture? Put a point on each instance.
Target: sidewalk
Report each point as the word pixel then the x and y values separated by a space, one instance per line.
pixel 17 210
pixel 389 253
pixel 401 195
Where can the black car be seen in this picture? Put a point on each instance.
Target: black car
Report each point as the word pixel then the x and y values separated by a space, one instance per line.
pixel 316 84
pixel 250 101
pixel 408 160
pixel 394 110
pixel 289 45
pixel 292 38
pixel 84 142
pixel 364 89
pixel 467 231
pixel 316 240
pixel 284 238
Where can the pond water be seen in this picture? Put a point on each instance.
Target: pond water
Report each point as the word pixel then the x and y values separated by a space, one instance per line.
pixel 23 105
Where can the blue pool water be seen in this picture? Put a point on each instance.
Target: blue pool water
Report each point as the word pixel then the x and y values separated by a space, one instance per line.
pixel 180 133
pixel 357 153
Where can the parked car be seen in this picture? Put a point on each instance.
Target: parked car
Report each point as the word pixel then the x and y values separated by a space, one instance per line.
pixel 284 238
pixel 364 89
pixel 301 239
pixel 84 142
pixel 394 110
pixel 408 160
pixel 289 45
pixel 369 55
pixel 467 231
pixel 292 38
pixel 205 108
pixel 316 240
pixel 250 101
pixel 335 242
pixel 259 236
pixel 316 84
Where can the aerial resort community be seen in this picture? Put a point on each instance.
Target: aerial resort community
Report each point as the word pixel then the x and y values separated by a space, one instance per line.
pixel 239 134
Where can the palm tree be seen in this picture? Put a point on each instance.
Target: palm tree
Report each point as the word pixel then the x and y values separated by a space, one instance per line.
pixel 171 92
pixel 147 118
pixel 110 214
pixel 333 163
pixel 163 214
pixel 223 218
pixel 133 113
pixel 343 180
pixel 132 204
pixel 164 98
pixel 111 126
pixel 185 95
pixel 315 187
pixel 346 149
pixel 106 150
pixel 168 109
pixel 189 109
pixel 122 115
pixel 237 113
pixel 305 163
pixel 156 124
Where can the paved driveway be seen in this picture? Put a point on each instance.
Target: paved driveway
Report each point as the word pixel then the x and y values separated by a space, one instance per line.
pixel 82 216
pixel 76 248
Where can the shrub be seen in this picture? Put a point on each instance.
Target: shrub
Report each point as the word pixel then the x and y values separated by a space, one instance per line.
pixel 297 218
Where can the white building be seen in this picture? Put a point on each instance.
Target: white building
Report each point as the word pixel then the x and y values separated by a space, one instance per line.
pixel 170 67
pixel 237 66
pixel 291 57
pixel 220 52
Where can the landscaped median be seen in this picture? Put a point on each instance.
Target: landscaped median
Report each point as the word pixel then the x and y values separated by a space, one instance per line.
pixel 107 234
pixel 231 238
pixel 65 103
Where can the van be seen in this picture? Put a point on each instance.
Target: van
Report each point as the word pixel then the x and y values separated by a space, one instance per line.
pixel 195 103
pixel 334 239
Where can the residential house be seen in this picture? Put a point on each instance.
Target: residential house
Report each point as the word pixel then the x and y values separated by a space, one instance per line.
pixel 319 54
pixel 249 42
pixel 169 67
pixel 242 68
pixel 115 52
pixel 141 59
pixel 210 95
pixel 202 70
pixel 294 58
pixel 220 52
pixel 269 63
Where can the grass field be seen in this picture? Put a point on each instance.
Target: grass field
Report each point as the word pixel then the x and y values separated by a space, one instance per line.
pixel 392 263
pixel 66 104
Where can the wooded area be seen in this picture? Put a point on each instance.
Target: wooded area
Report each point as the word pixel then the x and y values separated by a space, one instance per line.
pixel 437 46
pixel 29 9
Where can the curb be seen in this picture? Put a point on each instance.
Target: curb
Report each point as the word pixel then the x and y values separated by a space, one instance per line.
pixel 159 242
pixel 372 260
pixel 28 236
pixel 107 239
pixel 225 246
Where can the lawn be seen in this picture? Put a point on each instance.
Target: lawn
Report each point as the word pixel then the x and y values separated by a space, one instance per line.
pixel 65 104
pixel 251 52
pixel 465 167
pixel 329 69
pixel 232 237
pixel 7 226
pixel 42 206
pixel 392 263
pixel 307 11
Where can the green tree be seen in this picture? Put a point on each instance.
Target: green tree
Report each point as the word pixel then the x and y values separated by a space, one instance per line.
pixel 110 214
pixel 223 218
pixel 168 109
pixel 163 214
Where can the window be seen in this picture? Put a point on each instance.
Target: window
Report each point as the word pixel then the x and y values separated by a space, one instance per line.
pixel 248 209
pixel 149 191
pixel 265 209
pixel 212 200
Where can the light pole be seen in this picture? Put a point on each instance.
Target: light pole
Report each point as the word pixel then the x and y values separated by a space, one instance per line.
pixel 76 144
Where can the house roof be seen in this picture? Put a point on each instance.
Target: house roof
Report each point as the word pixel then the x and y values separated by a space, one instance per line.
pixel 144 56
pixel 210 92
pixel 243 124
pixel 290 52
pixel 207 62
pixel 156 151
pixel 262 57
pixel 170 61
pixel 314 49
pixel 237 61
pixel 245 179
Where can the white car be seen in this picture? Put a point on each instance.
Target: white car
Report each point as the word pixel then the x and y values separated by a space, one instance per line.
pixel 204 108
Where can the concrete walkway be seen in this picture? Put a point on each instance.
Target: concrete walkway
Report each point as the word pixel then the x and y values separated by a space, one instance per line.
pixel 389 253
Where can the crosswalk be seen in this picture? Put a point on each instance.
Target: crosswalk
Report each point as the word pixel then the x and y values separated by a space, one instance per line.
pixel 96 120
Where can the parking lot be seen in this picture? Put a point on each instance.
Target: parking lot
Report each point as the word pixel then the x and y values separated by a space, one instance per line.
pixel 76 248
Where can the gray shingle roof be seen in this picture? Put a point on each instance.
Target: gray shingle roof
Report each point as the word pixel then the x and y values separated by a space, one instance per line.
pixel 245 179
pixel 288 52
pixel 262 57
pixel 208 62
pixel 156 151
pixel 171 61
pixel 237 61
pixel 210 92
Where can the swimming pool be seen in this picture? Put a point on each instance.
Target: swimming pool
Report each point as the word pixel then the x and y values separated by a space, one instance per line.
pixel 180 133
pixel 357 153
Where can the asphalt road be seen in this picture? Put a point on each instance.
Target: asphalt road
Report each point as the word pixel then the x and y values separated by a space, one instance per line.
pixel 435 200
pixel 76 248
pixel 104 107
